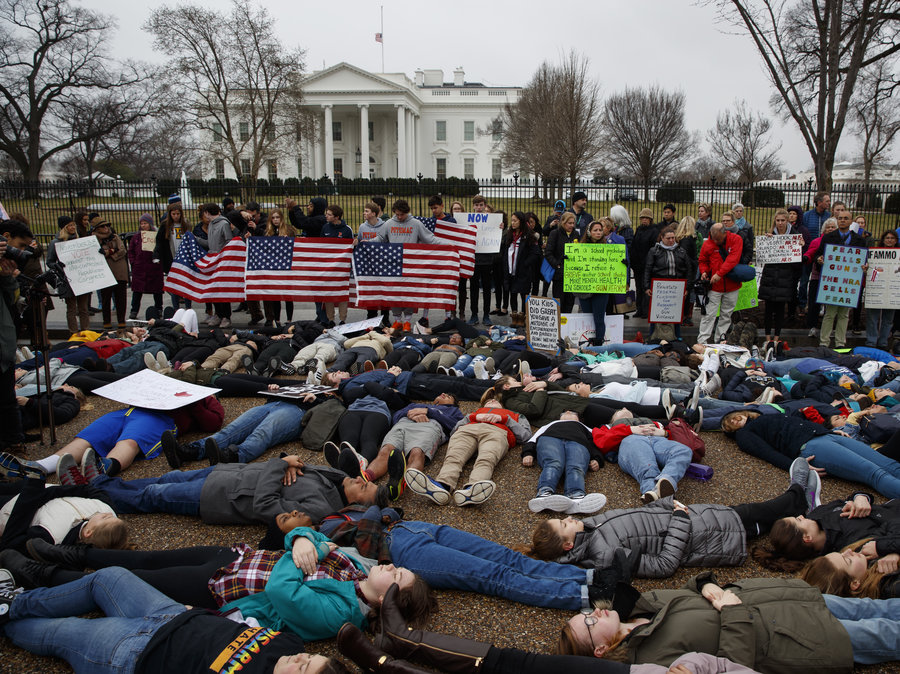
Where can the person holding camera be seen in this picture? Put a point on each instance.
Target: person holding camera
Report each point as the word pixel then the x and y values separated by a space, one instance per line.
pixel 114 251
pixel 13 252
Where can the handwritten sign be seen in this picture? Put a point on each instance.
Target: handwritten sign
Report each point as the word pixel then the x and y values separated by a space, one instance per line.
pixel 359 326
pixel 779 248
pixel 148 241
pixel 667 300
pixel 154 391
pixel 297 392
pixel 579 329
pixel 595 268
pixel 490 230
pixel 85 266
pixel 883 279
pixel 542 324
pixel 842 275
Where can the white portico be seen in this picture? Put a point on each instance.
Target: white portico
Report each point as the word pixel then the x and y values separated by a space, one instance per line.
pixel 385 125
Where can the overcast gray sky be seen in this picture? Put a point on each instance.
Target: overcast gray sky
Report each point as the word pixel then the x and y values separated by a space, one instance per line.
pixel 675 43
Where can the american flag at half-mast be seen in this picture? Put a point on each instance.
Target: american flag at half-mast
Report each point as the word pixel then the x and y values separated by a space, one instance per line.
pixel 425 276
pixel 208 277
pixel 303 269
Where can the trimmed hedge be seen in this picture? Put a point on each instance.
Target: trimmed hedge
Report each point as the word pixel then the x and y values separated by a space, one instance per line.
pixel 676 193
pixel 763 196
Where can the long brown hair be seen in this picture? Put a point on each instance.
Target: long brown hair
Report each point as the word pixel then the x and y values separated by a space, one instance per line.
pixel 821 573
pixel 284 229
pixel 567 644
pixel 167 223
pixel 786 550
pixel 545 543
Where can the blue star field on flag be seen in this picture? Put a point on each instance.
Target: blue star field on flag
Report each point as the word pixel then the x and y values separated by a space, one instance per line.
pixel 379 259
pixel 275 253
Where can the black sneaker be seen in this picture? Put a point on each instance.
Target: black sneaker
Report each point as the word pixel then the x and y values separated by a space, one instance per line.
pixel 332 454
pixel 27 572
pixel 176 453
pixel 230 454
pixel 278 366
pixel 309 366
pixel 247 362
pixel 7 595
pixel 212 451
pixel 348 463
pixel 396 472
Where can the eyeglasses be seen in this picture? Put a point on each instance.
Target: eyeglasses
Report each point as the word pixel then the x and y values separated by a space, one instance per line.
pixel 590 619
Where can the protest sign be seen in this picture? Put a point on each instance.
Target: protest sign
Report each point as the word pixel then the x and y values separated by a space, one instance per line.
pixel 542 324
pixel 84 265
pixel 490 230
pixel 154 391
pixel 883 279
pixel 359 326
pixel 842 275
pixel 579 329
pixel 779 248
pixel 666 300
pixel 297 392
pixel 596 268
pixel 148 241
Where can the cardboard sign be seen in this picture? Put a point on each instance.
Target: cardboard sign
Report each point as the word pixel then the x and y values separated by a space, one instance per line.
pixel 154 391
pixel 148 241
pixel 779 248
pixel 579 329
pixel 883 279
pixel 85 266
pixel 595 268
pixel 666 300
pixel 359 326
pixel 490 230
pixel 842 275
pixel 297 392
pixel 542 324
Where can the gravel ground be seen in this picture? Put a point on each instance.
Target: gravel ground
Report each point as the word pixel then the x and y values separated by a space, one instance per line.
pixel 505 518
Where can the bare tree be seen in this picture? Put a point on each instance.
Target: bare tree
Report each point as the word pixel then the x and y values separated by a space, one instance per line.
pixel 876 114
pixel 645 135
pixel 51 55
pixel 814 52
pixel 554 131
pixel 244 90
pixel 741 140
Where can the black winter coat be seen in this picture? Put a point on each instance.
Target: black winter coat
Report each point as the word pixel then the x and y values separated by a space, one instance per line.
pixel 556 250
pixel 309 225
pixel 519 279
pixel 778 282
pixel 656 264
pixel 644 239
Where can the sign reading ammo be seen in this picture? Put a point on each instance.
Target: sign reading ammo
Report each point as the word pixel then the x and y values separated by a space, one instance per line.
pixel 595 268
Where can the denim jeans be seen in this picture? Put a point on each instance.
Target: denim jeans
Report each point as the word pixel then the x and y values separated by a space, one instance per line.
pixel 853 460
pixel 596 304
pixel 131 359
pixel 647 458
pixel 466 364
pixel 780 368
pixel 873 626
pixel 42 622
pixel 176 492
pixel 260 428
pixel 448 558
pixel 878 326
pixel 555 457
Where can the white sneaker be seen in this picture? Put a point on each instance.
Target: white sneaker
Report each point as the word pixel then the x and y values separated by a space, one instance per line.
pixel 474 494
pixel 589 503
pixel 226 323
pixel 162 360
pixel 524 368
pixel 213 321
pixel 555 502
pixel 419 483
pixel 28 353
pixel 813 332
pixel 480 372
pixel 443 370
pixel 151 362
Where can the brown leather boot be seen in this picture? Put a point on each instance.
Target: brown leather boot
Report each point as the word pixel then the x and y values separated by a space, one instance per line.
pixel 441 651
pixel 353 644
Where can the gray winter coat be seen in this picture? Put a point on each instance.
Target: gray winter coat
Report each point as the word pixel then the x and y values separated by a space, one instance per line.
pixel 247 493
pixel 711 535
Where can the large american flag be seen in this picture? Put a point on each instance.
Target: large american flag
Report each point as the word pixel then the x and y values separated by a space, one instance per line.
pixel 406 275
pixel 304 270
pixel 208 277
pixel 461 235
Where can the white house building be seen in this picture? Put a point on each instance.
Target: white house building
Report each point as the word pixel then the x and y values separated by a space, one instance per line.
pixel 386 125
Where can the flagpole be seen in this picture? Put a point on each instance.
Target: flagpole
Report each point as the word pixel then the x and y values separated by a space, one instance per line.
pixel 382 39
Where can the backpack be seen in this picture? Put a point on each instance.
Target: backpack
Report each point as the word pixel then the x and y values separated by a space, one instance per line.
pixel 680 431
pixel 320 424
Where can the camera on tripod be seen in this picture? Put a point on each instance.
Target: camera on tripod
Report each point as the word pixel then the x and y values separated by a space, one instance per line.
pixel 701 295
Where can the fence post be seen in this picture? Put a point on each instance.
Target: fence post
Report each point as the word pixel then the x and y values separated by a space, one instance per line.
pixel 516 192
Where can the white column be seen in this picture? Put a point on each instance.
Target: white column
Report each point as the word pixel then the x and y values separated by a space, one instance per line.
pixel 329 142
pixel 387 168
pixel 401 141
pixel 417 131
pixel 364 140
pixel 410 144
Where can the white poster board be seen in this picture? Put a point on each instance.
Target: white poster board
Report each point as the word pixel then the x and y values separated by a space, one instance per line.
pixel 148 241
pixel 154 391
pixel 359 326
pixel 883 279
pixel 297 392
pixel 779 248
pixel 85 266
pixel 490 230
pixel 577 329
pixel 666 300
pixel 542 324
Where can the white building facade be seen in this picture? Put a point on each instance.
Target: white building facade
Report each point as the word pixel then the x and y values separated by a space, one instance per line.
pixel 385 125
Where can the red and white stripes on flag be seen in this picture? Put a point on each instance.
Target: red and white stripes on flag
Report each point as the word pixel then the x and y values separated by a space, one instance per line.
pixel 212 277
pixel 313 270
pixel 462 236
pixel 388 275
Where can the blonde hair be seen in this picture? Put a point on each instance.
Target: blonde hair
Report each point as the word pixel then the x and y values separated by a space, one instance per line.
pixel 565 217
pixel 687 227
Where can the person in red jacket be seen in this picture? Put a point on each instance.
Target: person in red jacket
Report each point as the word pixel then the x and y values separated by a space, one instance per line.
pixel 487 433
pixel 718 256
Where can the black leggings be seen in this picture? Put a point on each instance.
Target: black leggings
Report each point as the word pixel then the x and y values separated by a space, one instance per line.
pixel 192 353
pixel 181 574
pixel 282 349
pixel 364 430
pixel 514 661
pixel 88 381
pixel 394 400
pixel 774 317
pixel 514 301
pixel 812 309
pixel 457 325
pixel 597 413
pixel 507 362
pixel 244 385
pixel 405 359
pixel 758 518
pixel 501 290
pixel 481 279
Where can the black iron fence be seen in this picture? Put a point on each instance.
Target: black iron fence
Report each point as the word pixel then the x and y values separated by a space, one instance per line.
pixel 122 203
